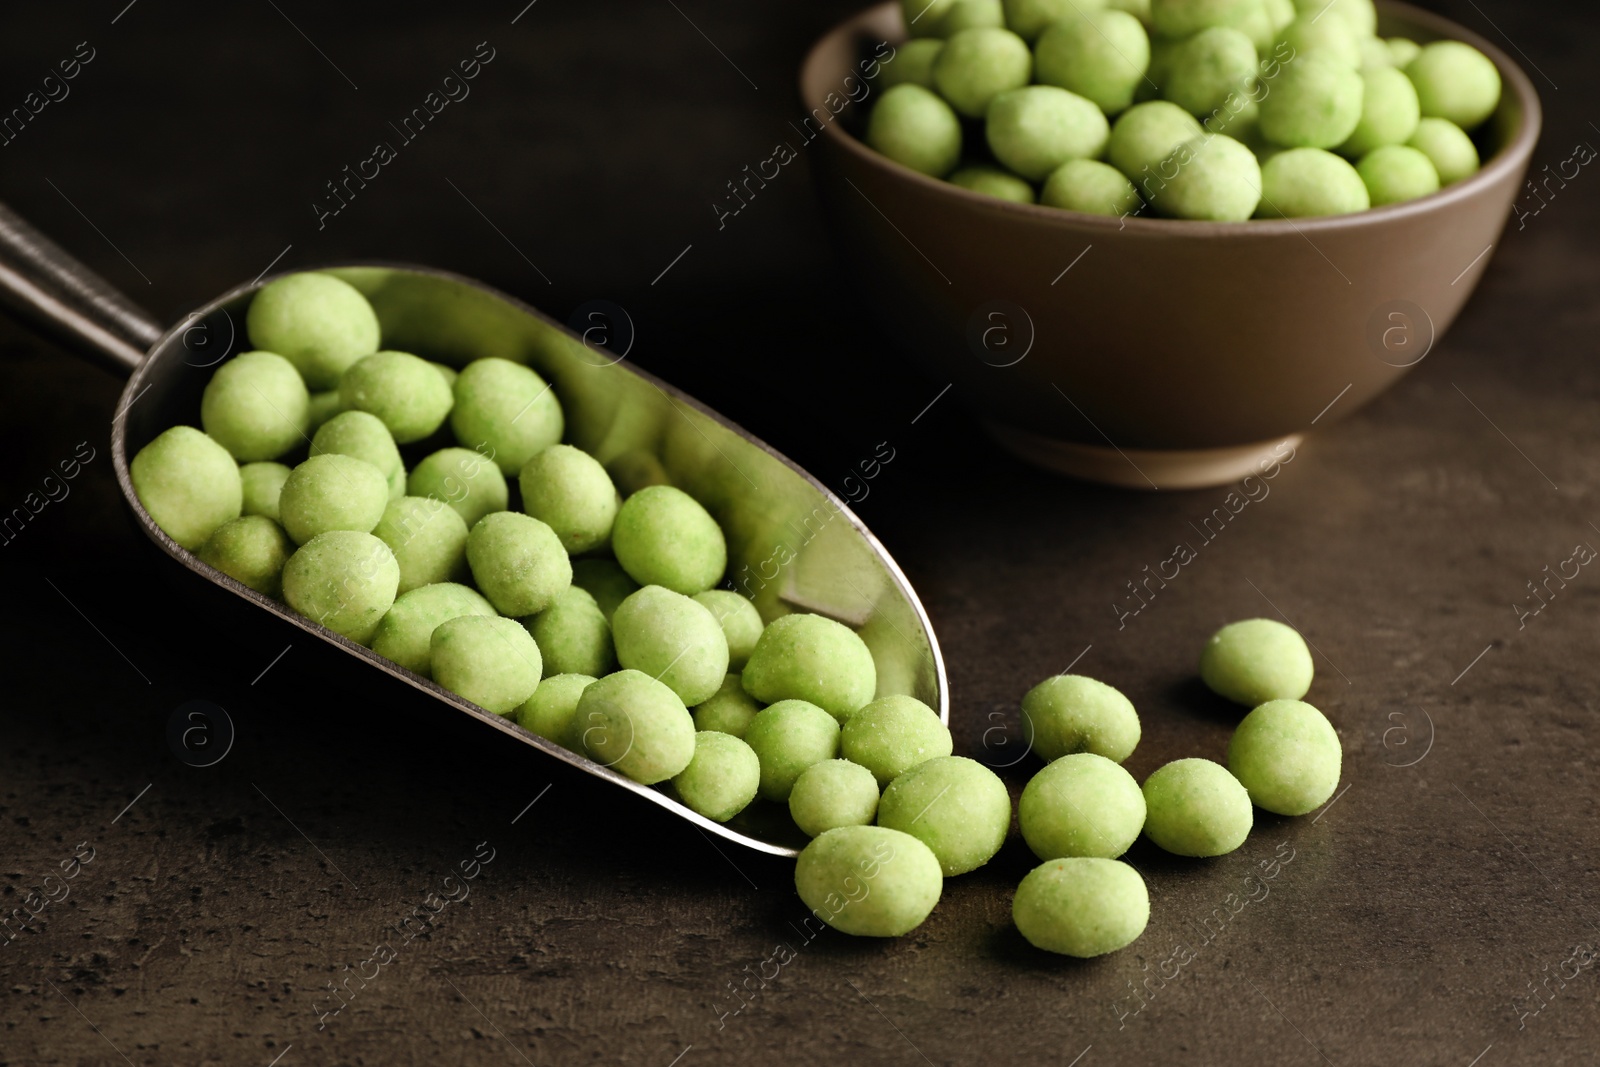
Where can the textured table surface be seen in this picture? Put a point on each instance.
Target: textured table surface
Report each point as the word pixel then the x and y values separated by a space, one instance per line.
pixel 1410 922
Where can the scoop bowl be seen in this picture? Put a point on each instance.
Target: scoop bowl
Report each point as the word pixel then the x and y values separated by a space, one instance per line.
pixel 793 545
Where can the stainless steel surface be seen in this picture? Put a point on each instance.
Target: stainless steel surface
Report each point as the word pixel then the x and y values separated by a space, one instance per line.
pixel 49 289
pixel 792 544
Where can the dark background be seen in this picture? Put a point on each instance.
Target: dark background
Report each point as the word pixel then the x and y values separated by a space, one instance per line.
pixel 1458 869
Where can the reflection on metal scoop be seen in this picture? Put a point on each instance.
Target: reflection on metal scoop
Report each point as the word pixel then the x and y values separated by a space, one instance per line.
pixel 792 544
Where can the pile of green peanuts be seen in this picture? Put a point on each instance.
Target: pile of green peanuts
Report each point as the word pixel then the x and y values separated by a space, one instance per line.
pixel 595 621
pixel 1218 110
pixel 507 567
pixel 948 815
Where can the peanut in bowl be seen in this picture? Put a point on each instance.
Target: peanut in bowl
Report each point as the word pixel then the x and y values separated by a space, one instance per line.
pixel 1143 351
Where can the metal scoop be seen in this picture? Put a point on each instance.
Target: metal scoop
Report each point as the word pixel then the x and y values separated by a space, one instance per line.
pixel 792 544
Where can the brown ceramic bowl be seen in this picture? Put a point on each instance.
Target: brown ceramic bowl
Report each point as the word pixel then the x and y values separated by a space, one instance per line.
pixel 1146 352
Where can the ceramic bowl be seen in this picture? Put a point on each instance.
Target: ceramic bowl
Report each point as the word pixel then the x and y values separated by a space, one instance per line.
pixel 1148 352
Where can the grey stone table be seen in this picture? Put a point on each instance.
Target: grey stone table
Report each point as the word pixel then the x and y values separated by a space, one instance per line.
pixel 1442 909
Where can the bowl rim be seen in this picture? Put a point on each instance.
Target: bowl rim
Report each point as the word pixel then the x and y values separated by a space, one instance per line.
pixel 1512 157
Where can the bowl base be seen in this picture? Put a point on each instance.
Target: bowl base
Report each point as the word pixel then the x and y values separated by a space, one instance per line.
pixel 1142 468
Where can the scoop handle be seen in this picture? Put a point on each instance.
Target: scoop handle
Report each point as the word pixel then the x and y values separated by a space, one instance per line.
pixel 45 287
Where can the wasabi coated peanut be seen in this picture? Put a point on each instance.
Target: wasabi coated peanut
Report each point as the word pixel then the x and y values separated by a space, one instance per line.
pixel 1035 129
pixel 924 18
pixel 1090 186
pixel 976 65
pixel 1139 9
pixel 1362 15
pixel 1314 102
pixel 912 63
pixel 1359 15
pixel 1330 38
pixel 662 536
pixel 1258 25
pixel 332 492
pixel 1100 55
pixel 672 638
pixel 893 734
pixel 462 478
pixel 811 658
pixel 323 406
pixel 506 410
pixel 517 562
pixel 408 394
pixel 344 580
pixel 1081 805
pixel 1217 179
pixel 605 580
pixel 573 635
pixel 1389 112
pixel 971 14
pixel 428 539
pixel 1029 18
pixel 1303 182
pixel 1447 147
pixel 317 322
pixel 1208 68
pixel 1147 134
pixel 721 778
pixel 1281 12
pixel 260 484
pixel 188 484
pixel 831 794
pixel 1183 18
pixel 741 622
pixel 788 737
pixel 1081 907
pixel 995 182
pixel 729 710
pixel 569 491
pixel 362 436
pixel 1287 756
pixel 1069 713
pixel 635 725
pixel 1395 173
pixel 1402 50
pixel 252 550
pixel 256 406
pixel 550 711
pixel 1375 53
pixel 1256 660
pixel 956 806
pixel 1455 81
pixel 869 881
pixel 915 128
pixel 1194 807
pixel 403 635
pixel 485 659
